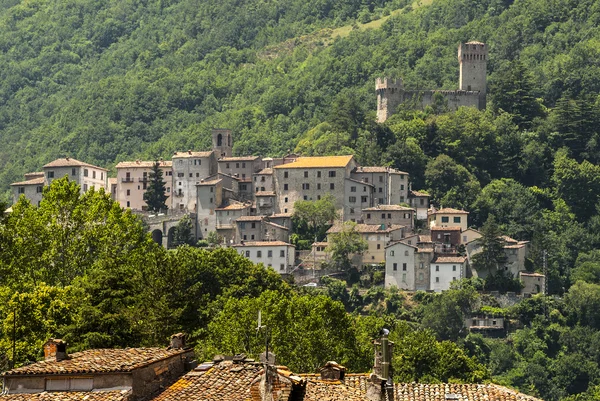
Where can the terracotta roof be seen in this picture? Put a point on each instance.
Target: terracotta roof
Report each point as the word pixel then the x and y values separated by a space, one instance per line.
pixel 35 174
pixel 475 43
pixel 189 153
pixel 281 215
pixel 463 392
pixel 234 206
pixel 531 274
pixel 388 207
pixel 449 259
pixel 320 243
pixel 112 180
pixel 318 162
pixel 418 193
pixel 70 162
pixel 34 181
pixel 400 242
pixel 360 182
pixel 265 193
pixel 122 395
pixel 144 163
pixel 250 218
pixel 263 243
pixel 451 228
pixel 425 250
pixel 277 225
pixel 224 381
pixel 98 361
pixel 209 183
pixel 238 158
pixel 450 210
pixel 352 388
pixel 265 171
pixel 378 169
pixel 424 238
pixel 367 228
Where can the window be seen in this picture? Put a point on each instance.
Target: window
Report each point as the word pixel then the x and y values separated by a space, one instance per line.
pixel 197 175
pixel 85 187
pixel 285 200
pixel 318 197
pixel 210 200
pixel 243 187
pixel 380 190
pixel 93 174
pixel 381 201
pixel 493 322
pixel 168 189
pixel 405 253
pixel 306 174
pixel 352 189
pixel 383 215
pixel 422 202
pixel 85 172
pixel 332 174
pixel 282 253
pixel 319 186
pixel 285 174
pixel 237 165
pixel 454 268
pixel 351 210
pixel 364 189
pixel 437 279
pixel 437 268
pixel 445 219
pixel 403 266
pixel 39 190
pixel 21 190
pixel 391 253
pixel 366 180
pixel 332 186
pixel 180 175
pixel 128 192
pixel 243 165
pixel 402 187
pixel 318 174
pixel 380 178
pixel 305 197
pixel 378 246
pixel 282 267
pixel 269 254
pixel 453 278
pixel 368 215
pixel 306 186
pixel 259 254
pixel 389 215
pixel 191 175
pixel 395 266
pixel 285 187
pixel 242 225
pixel 50 174
pixel 352 199
pixel 456 219
pixel 247 254
pixel 363 199
pixel 128 204
pixel 226 165
pixel 73 171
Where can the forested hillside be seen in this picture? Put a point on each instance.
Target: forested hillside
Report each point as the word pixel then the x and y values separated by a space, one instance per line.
pixel 107 81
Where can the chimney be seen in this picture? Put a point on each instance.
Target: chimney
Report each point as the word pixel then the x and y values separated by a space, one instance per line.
pixel 380 386
pixel 55 349
pixel 189 151
pixel 67 158
pixel 333 371
pixel 177 341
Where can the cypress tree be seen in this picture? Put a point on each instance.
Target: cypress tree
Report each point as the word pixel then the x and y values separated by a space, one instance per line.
pixel 155 196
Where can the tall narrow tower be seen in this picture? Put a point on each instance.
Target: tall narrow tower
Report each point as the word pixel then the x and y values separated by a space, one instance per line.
pixel 222 144
pixel 472 57
pixel 388 97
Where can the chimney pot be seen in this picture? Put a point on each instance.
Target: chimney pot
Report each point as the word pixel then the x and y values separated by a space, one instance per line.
pixel 55 349
pixel 177 341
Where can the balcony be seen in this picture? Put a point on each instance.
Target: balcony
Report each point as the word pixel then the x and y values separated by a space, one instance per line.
pixel 143 179
pixel 178 194
pixel 127 179
pixel 447 249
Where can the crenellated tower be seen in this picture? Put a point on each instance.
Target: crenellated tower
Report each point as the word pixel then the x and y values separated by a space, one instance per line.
pixel 472 57
pixel 388 91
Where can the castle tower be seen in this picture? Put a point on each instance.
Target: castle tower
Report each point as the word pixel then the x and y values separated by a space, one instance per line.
pixel 222 143
pixel 472 57
pixel 388 97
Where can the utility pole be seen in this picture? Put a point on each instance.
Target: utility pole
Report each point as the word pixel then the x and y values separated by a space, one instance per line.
pixel 14 338
pixel 545 265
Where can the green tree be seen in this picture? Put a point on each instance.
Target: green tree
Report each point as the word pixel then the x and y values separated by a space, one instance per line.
pixel 316 215
pixel 184 233
pixel 345 242
pixel 156 191
pixel 450 184
pixel 492 256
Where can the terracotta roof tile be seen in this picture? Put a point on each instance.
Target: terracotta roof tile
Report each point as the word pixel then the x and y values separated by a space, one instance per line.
pixel 378 169
pixel 70 162
pixel 318 162
pixel 189 153
pixel 265 171
pixel 123 395
pixel 416 194
pixel 451 228
pixel 144 163
pixel 263 243
pixel 265 193
pixel 352 388
pixel 209 183
pixel 367 228
pixel 238 158
pixel 389 207
pixel 33 181
pixel 463 392
pixel 234 206
pixel 449 259
pixel 250 218
pixel 98 361
pixel 450 210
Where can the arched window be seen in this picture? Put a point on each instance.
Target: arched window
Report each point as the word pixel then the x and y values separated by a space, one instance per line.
pixel 219 140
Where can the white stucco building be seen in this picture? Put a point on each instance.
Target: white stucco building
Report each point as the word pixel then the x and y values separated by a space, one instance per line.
pixel 278 255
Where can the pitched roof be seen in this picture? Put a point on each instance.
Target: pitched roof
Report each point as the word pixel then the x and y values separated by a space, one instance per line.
pixel 416 194
pixel 360 182
pixel 70 162
pixel 144 163
pixel 209 183
pixel 189 154
pixel 97 361
pixel 388 207
pixel 531 274
pixel 263 243
pixel 449 259
pixel 367 228
pixel 238 158
pixel 265 171
pixel 277 225
pixel 450 210
pixel 281 215
pixel 463 392
pixel 378 169
pixel 352 388
pixel 33 181
pixel 116 395
pixel 318 162
pixel 265 193
pixel 451 228
pixel 250 218
pixel 401 242
pixel 234 206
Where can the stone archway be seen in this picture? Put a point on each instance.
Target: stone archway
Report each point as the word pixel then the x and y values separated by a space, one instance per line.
pixel 170 237
pixel 157 236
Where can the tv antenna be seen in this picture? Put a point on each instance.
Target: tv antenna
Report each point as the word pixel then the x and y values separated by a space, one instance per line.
pixel 265 329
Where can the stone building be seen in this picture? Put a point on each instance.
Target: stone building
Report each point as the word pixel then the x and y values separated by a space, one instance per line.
pixel 447 217
pixel 243 169
pixel 189 169
pixel 390 185
pixel 400 262
pixel 420 202
pixel 31 188
pixel 260 228
pixel 445 270
pixel 472 58
pixel 132 181
pixel 390 214
pixel 278 255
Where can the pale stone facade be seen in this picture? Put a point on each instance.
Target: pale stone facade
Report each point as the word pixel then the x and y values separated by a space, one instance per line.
pixel 420 202
pixel 87 176
pixel 189 169
pixel 390 214
pixel 390 186
pixel 278 255
pixel 445 270
pixel 400 262
pixel 31 188
pixel 209 196
pixel 133 179
pixel 448 217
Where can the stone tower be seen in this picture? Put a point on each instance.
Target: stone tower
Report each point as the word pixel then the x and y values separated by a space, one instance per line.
pixel 222 143
pixel 472 57
pixel 388 97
